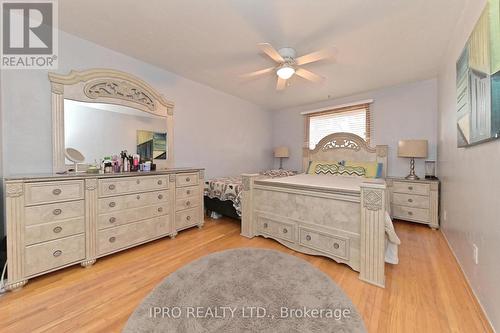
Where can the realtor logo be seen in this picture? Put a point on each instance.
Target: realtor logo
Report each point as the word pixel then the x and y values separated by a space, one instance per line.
pixel 29 39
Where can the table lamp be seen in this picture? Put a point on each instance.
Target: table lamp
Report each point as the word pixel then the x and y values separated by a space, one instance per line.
pixel 412 149
pixel 281 152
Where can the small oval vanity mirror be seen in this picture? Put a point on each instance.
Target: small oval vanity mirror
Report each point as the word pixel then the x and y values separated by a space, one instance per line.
pixel 74 156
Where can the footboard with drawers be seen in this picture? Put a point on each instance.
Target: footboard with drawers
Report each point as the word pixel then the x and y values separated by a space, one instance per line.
pixel 58 221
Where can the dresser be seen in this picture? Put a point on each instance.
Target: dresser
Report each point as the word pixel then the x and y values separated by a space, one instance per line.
pixel 56 221
pixel 415 200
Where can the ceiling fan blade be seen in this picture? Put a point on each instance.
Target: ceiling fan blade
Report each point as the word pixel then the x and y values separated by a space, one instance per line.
pixel 315 56
pixel 304 73
pixel 257 73
pixel 281 84
pixel 271 52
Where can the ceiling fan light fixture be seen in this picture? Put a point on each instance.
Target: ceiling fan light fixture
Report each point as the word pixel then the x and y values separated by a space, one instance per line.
pixel 285 72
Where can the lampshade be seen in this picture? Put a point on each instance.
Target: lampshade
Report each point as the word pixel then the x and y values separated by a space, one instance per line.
pixel 285 72
pixel 412 148
pixel 281 152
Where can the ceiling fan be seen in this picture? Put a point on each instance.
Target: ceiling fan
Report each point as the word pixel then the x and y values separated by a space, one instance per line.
pixel 289 64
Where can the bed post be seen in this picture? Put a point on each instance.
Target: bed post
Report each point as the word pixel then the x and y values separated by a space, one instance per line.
pixel 247 223
pixel 372 256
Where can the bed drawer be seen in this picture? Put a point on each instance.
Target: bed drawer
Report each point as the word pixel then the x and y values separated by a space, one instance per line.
pixel 410 200
pixel 108 187
pixel 278 229
pixel 187 192
pixel 125 216
pixel 410 213
pixel 49 255
pixel 47 192
pixel 411 188
pixel 186 179
pixel 324 242
pixel 186 218
pixel 49 231
pixel 181 204
pixel 54 212
pixel 112 204
pixel 124 236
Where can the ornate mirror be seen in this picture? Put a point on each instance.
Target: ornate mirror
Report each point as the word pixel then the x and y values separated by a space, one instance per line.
pixel 102 112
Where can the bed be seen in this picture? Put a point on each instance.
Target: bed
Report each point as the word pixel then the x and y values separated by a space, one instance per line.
pixel 223 195
pixel 340 217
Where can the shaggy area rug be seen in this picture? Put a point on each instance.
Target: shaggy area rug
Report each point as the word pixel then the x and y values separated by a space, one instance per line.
pixel 246 290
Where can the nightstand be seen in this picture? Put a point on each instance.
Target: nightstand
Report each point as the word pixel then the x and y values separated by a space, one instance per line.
pixel 415 200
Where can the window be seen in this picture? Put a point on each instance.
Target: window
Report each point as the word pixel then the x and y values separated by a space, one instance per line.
pixel 351 119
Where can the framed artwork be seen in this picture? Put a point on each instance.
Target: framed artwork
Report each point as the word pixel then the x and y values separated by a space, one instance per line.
pixel 151 145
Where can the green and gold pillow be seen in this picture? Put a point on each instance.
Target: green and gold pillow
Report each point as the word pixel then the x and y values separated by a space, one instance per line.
pixel 372 169
pixel 337 169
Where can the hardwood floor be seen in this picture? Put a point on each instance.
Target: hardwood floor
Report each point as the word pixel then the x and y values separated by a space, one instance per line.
pixel 426 292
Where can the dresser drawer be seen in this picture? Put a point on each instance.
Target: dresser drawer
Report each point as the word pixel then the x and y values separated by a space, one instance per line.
pixel 324 242
pixel 417 214
pixel 181 204
pixel 281 230
pixel 411 188
pixel 49 255
pixel 410 200
pixel 54 212
pixel 125 216
pixel 113 239
pixel 125 185
pixel 187 192
pixel 47 192
pixel 186 218
pixel 186 179
pixel 49 231
pixel 113 204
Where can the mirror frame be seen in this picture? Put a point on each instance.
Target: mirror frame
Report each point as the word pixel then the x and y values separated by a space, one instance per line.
pixel 111 87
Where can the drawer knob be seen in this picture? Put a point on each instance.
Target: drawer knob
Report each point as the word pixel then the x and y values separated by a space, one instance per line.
pixel 410 188
pixel 160 196
pixel 188 203
pixel 160 182
pixel 112 187
pixel 188 218
pixel 285 230
pixel 188 179
pixel 336 246
pixel 57 253
pixel 138 181
pixel 57 211
pixel 138 197
pixel 410 213
pixel 57 191
pixel 265 225
pixel 112 219
pixel 112 204
pixel 410 200
pixel 112 239
pixel 160 209
pixel 57 229
pixel 188 192
pixel 308 238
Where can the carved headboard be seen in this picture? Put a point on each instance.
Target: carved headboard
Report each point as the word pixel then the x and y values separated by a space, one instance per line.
pixel 346 146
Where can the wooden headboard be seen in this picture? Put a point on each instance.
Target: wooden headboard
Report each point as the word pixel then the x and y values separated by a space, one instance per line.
pixel 346 146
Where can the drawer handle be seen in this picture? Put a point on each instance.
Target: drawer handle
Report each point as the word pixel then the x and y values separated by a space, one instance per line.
pixel 188 179
pixel 160 182
pixel 308 238
pixel 410 213
pixel 112 239
pixel 188 218
pixel 410 200
pixel 137 181
pixel 265 225
pixel 160 196
pixel 111 187
pixel 138 197
pixel 57 211
pixel 112 219
pixel 410 188
pixel 188 203
pixel 112 204
pixel 188 192
pixel 160 209
pixel 57 191
pixel 285 230
pixel 57 229
pixel 57 253
pixel 336 246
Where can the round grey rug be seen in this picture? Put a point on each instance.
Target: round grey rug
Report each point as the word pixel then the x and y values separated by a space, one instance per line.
pixel 246 290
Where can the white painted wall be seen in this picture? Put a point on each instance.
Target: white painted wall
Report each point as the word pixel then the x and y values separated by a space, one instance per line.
pixel 470 183
pixel 220 132
pixel 407 111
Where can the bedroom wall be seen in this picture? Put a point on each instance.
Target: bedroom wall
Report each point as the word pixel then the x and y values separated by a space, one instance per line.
pixel 470 201
pixel 407 111
pixel 220 132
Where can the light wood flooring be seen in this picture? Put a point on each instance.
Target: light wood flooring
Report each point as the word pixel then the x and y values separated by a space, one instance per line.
pixel 426 292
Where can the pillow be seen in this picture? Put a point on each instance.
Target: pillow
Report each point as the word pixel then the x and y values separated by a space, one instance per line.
pixel 373 169
pixel 313 164
pixel 336 169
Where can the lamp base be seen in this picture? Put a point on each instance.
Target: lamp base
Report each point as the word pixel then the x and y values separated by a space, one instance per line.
pixel 412 175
